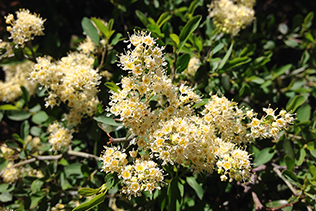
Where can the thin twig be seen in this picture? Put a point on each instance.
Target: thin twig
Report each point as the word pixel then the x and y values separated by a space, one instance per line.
pixel 278 172
pixel 82 154
pixel 120 140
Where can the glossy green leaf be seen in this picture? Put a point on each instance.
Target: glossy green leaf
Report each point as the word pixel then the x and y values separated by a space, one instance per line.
pixel 295 102
pixel 276 204
pixel 73 170
pixel 303 113
pixel 40 117
pixel 281 71
pixel 8 107
pixel 112 86
pixel 25 129
pixel 301 157
pixel 182 62
pixel 18 138
pixel 98 199
pixel 255 79
pixel 90 30
pixel 175 38
pixel 290 162
pixel 142 17
pixel 237 62
pixel 3 187
pixel 107 120
pixel 25 94
pixel 308 20
pixel 18 115
pixel 283 28
pixel 163 18
pixel 101 26
pixel 217 48
pixel 109 180
pixel 187 30
pixel 264 156
pixel 290 176
pixel 36 198
pixel 194 4
pixel 227 55
pixel 88 191
pixel 174 195
pixel 36 185
pixel 6 197
pixel 196 187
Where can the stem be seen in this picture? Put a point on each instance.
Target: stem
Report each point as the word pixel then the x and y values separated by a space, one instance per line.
pixel 103 56
pixel 82 154
pixel 278 172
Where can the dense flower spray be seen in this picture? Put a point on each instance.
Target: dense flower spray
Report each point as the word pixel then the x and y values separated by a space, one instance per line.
pixel 16 76
pixel 230 16
pixel 25 27
pixel 71 80
pixel 162 117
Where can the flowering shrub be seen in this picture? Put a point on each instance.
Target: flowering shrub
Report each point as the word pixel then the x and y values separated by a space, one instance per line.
pixel 174 121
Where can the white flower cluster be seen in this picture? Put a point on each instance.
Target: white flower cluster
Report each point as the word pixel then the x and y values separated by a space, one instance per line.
pixel 162 117
pixel 25 27
pixel 71 80
pixel 142 175
pixel 230 16
pixel 59 137
pixel 16 76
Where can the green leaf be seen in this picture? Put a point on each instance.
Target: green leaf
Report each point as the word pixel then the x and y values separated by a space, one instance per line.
pixel 227 55
pixel 101 26
pixel 308 20
pixel 25 129
pixel 163 18
pixel 303 113
pixel 109 180
pixel 107 120
pixel 196 187
pixel 98 199
pixel 175 38
pixel 3 187
pixel 187 30
pixel 237 62
pixel 112 86
pixel 142 17
pixel 73 170
pixel 174 195
pixel 18 138
pixel 281 71
pixel 255 79
pixel 25 94
pixel 312 169
pixel 8 107
pixel 198 43
pixel 276 204
pixel 18 115
pixel 18 53
pixel 301 158
pixel 40 117
pixel 264 156
pixel 90 30
pixel 182 62
pixel 295 102
pixel 290 163
pixel 290 176
pixel 1 116
pixel 192 7
pixel 36 198
pixel 5 197
pixel 36 185
pixel 88 191
pixel 217 48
